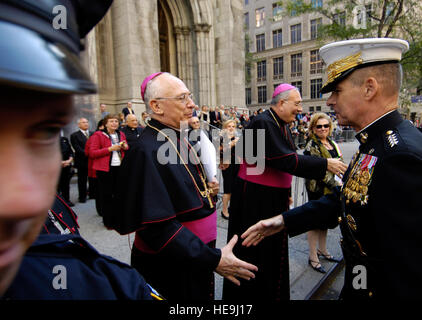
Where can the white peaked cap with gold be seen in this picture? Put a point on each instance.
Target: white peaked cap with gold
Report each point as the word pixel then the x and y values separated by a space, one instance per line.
pixel 343 57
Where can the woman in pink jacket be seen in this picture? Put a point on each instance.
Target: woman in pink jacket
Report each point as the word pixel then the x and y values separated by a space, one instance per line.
pixel 107 150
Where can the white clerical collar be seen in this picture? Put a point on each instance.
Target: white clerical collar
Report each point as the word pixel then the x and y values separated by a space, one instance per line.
pixel 376 120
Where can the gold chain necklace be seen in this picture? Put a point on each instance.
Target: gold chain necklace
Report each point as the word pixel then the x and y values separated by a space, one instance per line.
pixel 275 119
pixel 287 135
pixel 207 192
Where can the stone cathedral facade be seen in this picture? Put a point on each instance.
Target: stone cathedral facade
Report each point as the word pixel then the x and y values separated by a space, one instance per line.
pixel 200 41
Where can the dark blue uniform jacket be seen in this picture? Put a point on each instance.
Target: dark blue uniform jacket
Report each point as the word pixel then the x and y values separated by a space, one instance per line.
pixel 61 265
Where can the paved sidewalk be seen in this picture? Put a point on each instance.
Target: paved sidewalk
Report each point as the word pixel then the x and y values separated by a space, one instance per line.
pixel 302 277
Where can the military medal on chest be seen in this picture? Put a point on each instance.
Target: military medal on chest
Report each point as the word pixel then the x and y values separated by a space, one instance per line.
pixel 356 187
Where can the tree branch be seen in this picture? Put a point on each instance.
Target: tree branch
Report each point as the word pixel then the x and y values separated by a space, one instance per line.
pixel 396 18
pixel 382 20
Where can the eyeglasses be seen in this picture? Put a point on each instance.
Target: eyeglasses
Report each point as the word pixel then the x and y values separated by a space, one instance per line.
pixel 297 103
pixel 320 126
pixel 184 98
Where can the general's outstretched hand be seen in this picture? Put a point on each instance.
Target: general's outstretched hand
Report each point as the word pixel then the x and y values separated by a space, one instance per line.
pixel 231 267
pixel 264 228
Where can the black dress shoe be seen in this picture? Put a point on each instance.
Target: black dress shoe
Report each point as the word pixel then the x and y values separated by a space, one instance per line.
pixel 319 269
pixel 328 257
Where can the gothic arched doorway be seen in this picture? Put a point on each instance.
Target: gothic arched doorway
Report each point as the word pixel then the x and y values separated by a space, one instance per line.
pixel 167 41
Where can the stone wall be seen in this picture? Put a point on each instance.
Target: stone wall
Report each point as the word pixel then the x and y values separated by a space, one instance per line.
pixel 207 51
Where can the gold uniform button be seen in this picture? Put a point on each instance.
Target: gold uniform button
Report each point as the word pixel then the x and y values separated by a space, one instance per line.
pixel 370 294
pixel 339 219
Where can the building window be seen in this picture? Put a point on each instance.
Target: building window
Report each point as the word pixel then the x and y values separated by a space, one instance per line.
pixel 316 3
pixel 262 94
pixel 246 2
pixel 318 108
pixel 311 109
pixel 293 12
pixel 277 38
pixel 298 84
pixel 369 13
pixel 277 12
pixel 389 12
pixel 316 85
pixel 261 70
pixel 315 62
pixel 296 65
pixel 340 18
pixel 296 33
pixel 260 42
pixel 278 68
pixel 246 16
pixel 315 24
pixel 260 17
pixel 248 94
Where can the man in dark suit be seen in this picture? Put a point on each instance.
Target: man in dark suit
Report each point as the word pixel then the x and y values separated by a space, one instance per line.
pixel 378 206
pixel 216 118
pixel 132 130
pixel 128 110
pixel 78 140
pixel 66 172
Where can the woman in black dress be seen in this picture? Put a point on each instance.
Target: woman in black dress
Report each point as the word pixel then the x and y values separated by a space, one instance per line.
pixel 228 141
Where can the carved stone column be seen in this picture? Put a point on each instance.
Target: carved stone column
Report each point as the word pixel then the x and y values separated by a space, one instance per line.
pixel 230 52
pixel 87 106
pixel 136 47
pixel 205 64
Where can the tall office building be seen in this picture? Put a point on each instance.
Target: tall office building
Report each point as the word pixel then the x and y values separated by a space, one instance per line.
pixel 283 49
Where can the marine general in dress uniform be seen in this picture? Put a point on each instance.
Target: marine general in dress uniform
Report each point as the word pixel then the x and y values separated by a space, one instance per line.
pixel 378 206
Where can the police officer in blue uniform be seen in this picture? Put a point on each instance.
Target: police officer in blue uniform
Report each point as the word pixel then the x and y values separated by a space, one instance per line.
pixel 61 265
pixel 39 72
pixel 378 205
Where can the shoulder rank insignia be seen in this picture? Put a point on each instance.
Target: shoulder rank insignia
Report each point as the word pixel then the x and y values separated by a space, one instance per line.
pixel 391 138
pixel 363 137
pixel 356 187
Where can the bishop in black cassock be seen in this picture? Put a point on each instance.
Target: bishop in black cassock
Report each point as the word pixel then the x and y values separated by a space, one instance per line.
pixel 164 197
pixel 258 195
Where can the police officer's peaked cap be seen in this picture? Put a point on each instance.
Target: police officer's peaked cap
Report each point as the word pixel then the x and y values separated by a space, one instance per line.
pixel 40 42
pixel 343 57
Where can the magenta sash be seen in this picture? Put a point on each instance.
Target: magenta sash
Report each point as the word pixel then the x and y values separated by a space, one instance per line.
pixel 270 177
pixel 205 228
